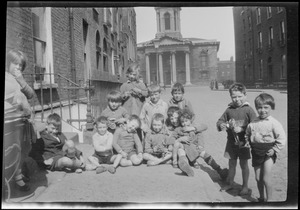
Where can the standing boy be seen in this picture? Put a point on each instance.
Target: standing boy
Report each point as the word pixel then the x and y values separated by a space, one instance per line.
pixel 235 120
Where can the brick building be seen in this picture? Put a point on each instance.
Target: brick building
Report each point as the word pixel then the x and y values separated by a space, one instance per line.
pixel 226 70
pixel 169 58
pixel 261 46
pixel 73 47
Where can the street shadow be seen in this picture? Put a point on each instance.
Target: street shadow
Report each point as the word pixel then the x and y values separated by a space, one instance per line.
pixel 236 187
pixel 180 174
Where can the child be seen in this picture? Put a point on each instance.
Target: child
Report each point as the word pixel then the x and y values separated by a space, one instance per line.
pixel 115 113
pixel 126 142
pixel 267 138
pixel 193 145
pixel 102 143
pixel 154 105
pixel 156 150
pixel 48 152
pixel 242 114
pixel 75 155
pixel 178 99
pixel 133 91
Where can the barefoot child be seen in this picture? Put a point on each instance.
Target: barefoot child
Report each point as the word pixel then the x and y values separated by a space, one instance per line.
pixel 267 138
pixel 238 114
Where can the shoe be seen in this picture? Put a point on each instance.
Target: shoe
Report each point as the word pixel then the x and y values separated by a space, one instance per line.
pixel 100 169
pixel 90 167
pixel 185 167
pixel 23 188
pixel 175 165
pixel 152 162
pixel 223 173
pixel 248 192
pixel 111 169
pixel 261 200
pixel 78 170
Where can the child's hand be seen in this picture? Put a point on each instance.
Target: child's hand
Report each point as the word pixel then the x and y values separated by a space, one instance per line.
pixel 184 139
pixel 17 73
pixel 124 154
pixel 223 126
pixel 188 128
pixel 126 94
pixel 120 121
pixel 136 90
pixel 49 161
pixel 270 152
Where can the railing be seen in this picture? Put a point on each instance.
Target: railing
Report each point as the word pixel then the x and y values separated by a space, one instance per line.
pixel 57 91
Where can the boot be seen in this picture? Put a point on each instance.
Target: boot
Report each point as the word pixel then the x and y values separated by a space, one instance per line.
pixel 184 166
pixel 222 172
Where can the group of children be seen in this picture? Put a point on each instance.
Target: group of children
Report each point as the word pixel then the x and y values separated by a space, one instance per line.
pixel 134 129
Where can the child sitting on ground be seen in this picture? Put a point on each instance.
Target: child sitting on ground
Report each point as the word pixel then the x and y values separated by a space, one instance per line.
pixel 127 143
pixel 102 143
pixel 48 152
pixel 156 150
pixel 190 138
pixel 267 138
pixel 115 113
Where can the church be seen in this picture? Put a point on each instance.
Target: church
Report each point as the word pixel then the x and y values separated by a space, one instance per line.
pixel 170 58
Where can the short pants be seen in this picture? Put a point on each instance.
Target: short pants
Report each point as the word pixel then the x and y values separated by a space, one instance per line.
pixel 233 151
pixel 103 159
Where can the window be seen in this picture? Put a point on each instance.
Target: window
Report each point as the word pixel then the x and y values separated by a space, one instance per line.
pixel 270 36
pixel 282 33
pixel 283 67
pixel 258 16
pixel 42 43
pixel 259 40
pixel 249 23
pixel 167 21
pixel 203 60
pixel 260 75
pixel 269 12
pixel 98 50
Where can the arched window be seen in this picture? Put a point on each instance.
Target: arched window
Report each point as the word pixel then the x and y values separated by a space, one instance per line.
pixel 105 55
pixel 167 21
pixel 98 50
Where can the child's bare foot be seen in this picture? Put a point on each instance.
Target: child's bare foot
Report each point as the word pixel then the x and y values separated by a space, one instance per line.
pixel 245 191
pixel 49 161
pixel 226 188
pixel 90 167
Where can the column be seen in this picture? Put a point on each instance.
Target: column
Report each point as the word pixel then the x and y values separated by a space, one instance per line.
pixel 161 76
pixel 147 69
pixel 157 22
pixel 187 68
pixel 174 78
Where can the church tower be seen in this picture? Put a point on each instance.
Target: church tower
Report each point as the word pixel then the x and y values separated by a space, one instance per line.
pixel 168 22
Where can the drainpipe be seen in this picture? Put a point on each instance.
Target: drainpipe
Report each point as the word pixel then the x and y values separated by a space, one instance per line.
pixel 73 66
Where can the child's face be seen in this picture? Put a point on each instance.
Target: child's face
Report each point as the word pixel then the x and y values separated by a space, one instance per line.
pixel 154 97
pixel 185 122
pixel 113 105
pixel 263 110
pixel 132 126
pixel 174 119
pixel 177 95
pixel 238 98
pixel 101 128
pixel 15 68
pixel 52 129
pixel 132 75
pixel 157 125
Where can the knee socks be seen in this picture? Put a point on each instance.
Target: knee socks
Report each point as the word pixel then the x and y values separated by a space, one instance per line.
pixel 210 161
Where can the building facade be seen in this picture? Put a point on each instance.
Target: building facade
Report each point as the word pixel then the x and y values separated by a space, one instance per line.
pixel 226 70
pixel 261 46
pixel 81 46
pixel 169 58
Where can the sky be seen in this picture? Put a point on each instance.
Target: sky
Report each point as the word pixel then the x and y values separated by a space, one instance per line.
pixel 197 22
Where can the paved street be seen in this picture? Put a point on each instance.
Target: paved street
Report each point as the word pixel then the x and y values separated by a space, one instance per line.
pixel 164 184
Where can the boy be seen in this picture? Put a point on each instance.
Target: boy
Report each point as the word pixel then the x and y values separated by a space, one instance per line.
pixel 115 113
pixel 267 138
pixel 102 143
pixel 127 143
pixel 239 112
pixel 48 150
pixel 193 144
pixel 154 105
pixel 156 150
pixel 178 99
pixel 74 154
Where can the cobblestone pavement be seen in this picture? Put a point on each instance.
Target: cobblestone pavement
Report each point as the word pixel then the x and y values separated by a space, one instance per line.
pixel 164 184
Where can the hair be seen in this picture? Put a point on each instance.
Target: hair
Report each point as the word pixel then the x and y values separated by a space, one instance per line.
pixel 135 117
pixel 186 114
pixel 264 98
pixel 177 87
pixel 16 56
pixel 158 117
pixel 54 119
pixel 154 88
pixel 172 110
pixel 101 119
pixel 237 87
pixel 114 96
pixel 133 67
